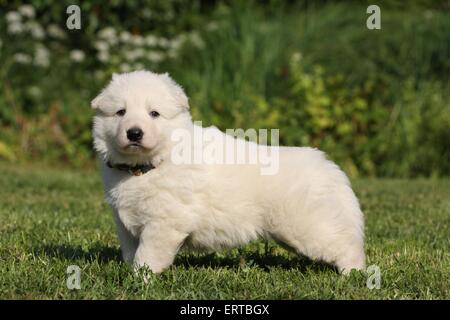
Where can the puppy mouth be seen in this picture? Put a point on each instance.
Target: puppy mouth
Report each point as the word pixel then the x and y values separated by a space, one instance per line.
pixel 134 145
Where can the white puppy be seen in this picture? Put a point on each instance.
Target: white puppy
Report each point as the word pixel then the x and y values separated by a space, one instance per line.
pixel 160 205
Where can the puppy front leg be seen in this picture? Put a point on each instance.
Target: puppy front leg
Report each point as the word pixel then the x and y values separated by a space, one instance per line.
pixel 128 243
pixel 158 245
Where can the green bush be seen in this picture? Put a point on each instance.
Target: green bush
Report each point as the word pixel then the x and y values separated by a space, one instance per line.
pixel 411 139
pixel 376 101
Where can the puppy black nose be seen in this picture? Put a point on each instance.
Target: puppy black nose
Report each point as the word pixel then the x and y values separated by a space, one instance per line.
pixel 134 134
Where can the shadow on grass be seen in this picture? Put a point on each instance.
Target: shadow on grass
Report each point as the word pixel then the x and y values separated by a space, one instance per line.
pixel 104 254
pixel 95 252
pixel 252 259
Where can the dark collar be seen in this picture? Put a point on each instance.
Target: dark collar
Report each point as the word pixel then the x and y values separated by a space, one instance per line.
pixel 136 170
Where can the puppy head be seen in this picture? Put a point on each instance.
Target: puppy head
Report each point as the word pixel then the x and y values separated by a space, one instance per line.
pixel 135 115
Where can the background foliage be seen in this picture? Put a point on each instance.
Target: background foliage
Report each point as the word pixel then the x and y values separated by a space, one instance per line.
pixel 376 101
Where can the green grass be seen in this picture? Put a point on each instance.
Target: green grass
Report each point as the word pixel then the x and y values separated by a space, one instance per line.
pixel 53 218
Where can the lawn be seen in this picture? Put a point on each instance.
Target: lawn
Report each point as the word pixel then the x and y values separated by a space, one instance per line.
pixel 53 218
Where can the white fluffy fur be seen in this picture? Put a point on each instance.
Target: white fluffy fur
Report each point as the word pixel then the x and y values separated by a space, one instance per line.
pixel 308 206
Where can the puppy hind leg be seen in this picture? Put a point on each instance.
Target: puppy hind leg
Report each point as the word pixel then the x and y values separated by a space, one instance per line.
pixel 352 258
pixel 334 234
pixel 343 250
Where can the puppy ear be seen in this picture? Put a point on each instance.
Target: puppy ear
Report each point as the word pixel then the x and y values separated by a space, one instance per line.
pixel 177 91
pixel 97 101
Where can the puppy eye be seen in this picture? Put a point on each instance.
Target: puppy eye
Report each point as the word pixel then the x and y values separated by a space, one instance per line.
pixel 121 112
pixel 154 114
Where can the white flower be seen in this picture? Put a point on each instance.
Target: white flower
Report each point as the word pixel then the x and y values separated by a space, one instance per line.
pixel 171 53
pixel 22 58
pixel 77 55
pixel 163 42
pixel 196 40
pixel 101 46
pixel 296 57
pixel 42 56
pixel 27 10
pixel 55 31
pixel 108 34
pixel 147 13
pixel 125 36
pixel 155 57
pixel 13 16
pixel 103 56
pixel 134 54
pixel 34 91
pixel 15 28
pixel 139 66
pixel 212 26
pixel 125 67
pixel 37 32
pixel 176 43
pixel 151 40
pixel 137 40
